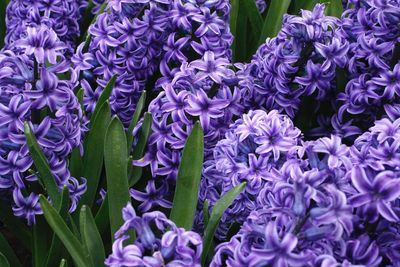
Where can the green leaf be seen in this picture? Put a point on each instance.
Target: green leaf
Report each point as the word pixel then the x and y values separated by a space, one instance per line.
pixel 218 210
pixel 45 175
pixel 206 214
pixel 41 242
pixel 309 4
pixel 8 253
pixel 3 28
pixel 188 180
pixel 115 151
pixel 234 25
pixel 102 217
pixel 71 243
pixel 333 8
pixel 79 95
pixel 89 19
pixel 94 151
pixel 3 261
pixel 135 172
pixel 91 237
pixel 254 16
pixel 273 21
pixel 135 119
pixel 105 95
pixel 63 263
pixel 240 41
pixel 16 225
pixel 56 251
pixel 76 163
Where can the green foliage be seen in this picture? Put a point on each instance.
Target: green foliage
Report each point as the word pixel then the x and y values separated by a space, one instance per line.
pixel 273 21
pixel 7 254
pixel 115 159
pixel 45 176
pixel 91 238
pixel 3 261
pixel 218 210
pixel 3 29
pixel 188 180
pixel 70 241
pixel 135 173
pixel 94 152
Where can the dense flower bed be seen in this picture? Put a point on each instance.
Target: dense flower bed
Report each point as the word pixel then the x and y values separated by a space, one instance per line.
pixel 308 129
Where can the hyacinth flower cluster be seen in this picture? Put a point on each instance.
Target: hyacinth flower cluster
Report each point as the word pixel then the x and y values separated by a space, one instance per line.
pixel 193 95
pixel 255 147
pixel 301 61
pixel 60 16
pixel 32 92
pixel 196 90
pixel 174 247
pixel 126 40
pixel 301 71
pixel 328 205
pixel 141 40
pixel 373 68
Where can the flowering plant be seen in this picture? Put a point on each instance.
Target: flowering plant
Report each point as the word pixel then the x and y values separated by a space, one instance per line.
pixel 192 133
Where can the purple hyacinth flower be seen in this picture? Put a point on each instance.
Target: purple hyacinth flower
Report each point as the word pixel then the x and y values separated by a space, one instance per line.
pixel 334 148
pixel 211 67
pixel 375 196
pixel 390 80
pixel 14 114
pixel 278 251
pixel 204 107
pixel 152 197
pixel 43 43
pixel 27 207
pixel 174 247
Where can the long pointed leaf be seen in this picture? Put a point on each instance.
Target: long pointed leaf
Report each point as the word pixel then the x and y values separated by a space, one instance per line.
pixel 40 242
pixel 188 180
pixel 89 19
pixel 56 249
pixel 102 217
pixel 115 159
pixel 234 25
pixel 8 252
pixel 105 95
pixel 91 238
pixel 254 16
pixel 273 21
pixel 333 8
pixel 71 243
pixel 218 210
pixel 3 28
pixel 16 225
pixel 3 261
pixel 45 175
pixel 135 119
pixel 135 172
pixel 94 151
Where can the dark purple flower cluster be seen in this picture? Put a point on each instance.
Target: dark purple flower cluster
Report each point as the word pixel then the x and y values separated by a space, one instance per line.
pixel 126 40
pixel 62 16
pixel 301 71
pixel 254 148
pixel 326 204
pixel 175 247
pixel 136 39
pixel 371 28
pixel 299 62
pixel 31 91
pixel 196 90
